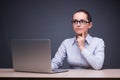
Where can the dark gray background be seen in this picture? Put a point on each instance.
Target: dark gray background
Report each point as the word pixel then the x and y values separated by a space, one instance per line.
pixel 36 19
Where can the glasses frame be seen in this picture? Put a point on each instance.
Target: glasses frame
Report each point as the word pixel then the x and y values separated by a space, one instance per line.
pixel 82 22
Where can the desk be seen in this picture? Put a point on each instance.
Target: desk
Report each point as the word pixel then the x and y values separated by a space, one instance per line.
pixel 72 73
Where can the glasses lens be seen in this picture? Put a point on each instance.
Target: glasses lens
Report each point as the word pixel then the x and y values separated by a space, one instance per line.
pixel 74 21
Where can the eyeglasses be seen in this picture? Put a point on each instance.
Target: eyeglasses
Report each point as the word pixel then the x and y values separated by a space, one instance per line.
pixel 82 22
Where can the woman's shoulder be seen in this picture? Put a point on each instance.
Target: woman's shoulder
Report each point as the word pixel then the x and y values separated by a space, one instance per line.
pixel 68 40
pixel 98 39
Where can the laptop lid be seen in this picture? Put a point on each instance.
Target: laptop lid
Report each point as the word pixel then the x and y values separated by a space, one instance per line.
pixel 33 55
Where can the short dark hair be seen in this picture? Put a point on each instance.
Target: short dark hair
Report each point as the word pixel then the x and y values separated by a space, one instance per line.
pixel 89 17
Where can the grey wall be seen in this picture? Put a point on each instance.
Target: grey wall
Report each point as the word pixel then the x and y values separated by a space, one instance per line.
pixel 37 19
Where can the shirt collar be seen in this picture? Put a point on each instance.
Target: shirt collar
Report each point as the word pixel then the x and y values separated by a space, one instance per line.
pixel 88 39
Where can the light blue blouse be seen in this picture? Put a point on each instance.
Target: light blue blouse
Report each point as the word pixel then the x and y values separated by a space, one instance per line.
pixel 92 56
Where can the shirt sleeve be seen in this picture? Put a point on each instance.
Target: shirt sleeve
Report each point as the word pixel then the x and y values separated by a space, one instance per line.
pixel 96 58
pixel 57 61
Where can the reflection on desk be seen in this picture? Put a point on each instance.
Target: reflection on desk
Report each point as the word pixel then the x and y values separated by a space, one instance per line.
pixel 72 73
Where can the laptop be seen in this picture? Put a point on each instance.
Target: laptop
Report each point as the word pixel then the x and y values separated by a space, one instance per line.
pixel 32 55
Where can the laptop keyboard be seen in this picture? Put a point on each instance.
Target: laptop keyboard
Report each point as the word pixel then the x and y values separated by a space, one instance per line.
pixel 59 70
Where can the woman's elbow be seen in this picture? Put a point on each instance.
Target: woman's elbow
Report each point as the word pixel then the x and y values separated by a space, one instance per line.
pixel 97 66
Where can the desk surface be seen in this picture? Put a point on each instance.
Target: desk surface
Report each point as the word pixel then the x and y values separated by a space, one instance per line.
pixel 72 73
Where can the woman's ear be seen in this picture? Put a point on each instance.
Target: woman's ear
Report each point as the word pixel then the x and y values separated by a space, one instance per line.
pixel 90 25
